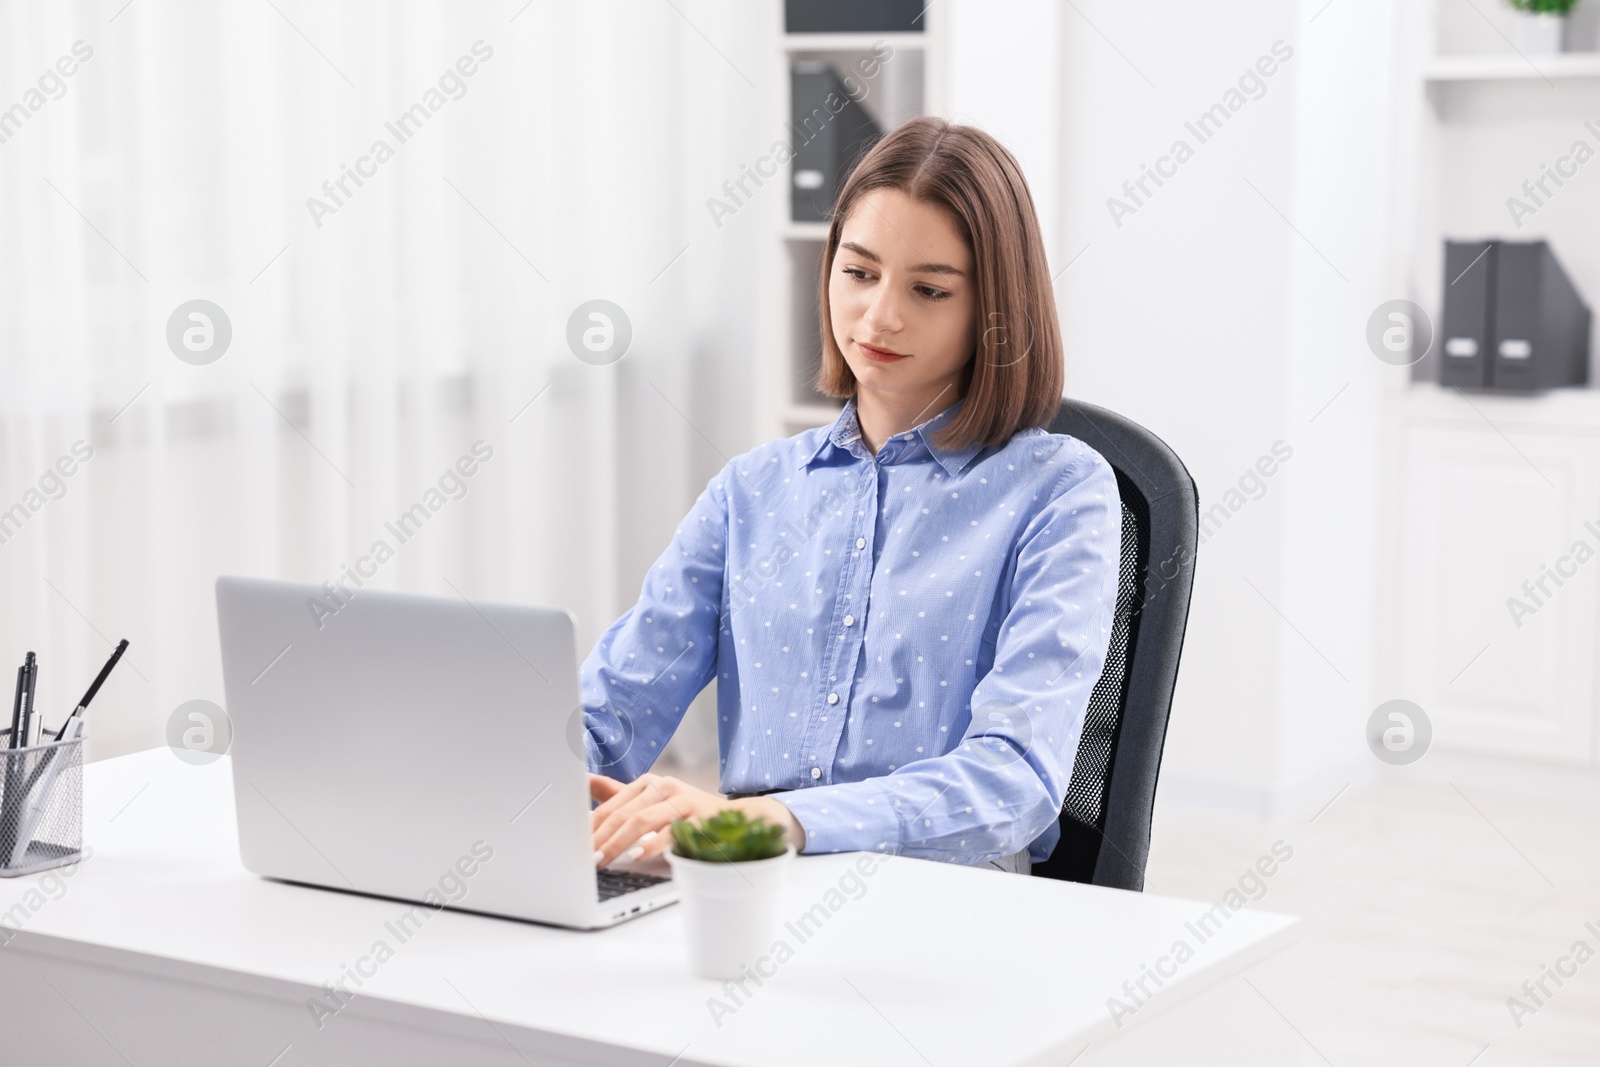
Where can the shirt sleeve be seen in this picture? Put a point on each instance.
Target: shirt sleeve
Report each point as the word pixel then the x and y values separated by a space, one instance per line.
pixel 1004 782
pixel 640 677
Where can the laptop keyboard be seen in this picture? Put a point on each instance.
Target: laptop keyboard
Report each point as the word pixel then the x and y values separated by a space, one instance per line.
pixel 616 883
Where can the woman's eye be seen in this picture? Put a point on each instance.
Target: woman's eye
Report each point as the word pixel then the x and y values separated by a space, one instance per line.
pixel 856 273
pixel 932 294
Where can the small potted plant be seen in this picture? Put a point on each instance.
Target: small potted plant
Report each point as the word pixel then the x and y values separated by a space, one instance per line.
pixel 1541 25
pixel 730 870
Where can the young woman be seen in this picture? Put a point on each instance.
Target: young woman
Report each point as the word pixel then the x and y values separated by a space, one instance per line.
pixel 905 611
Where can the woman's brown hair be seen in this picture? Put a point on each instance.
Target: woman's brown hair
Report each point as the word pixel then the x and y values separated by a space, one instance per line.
pixel 1015 377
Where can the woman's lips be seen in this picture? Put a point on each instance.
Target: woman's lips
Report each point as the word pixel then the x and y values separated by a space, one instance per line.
pixel 880 355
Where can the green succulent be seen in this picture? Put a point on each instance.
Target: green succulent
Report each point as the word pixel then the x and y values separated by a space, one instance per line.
pixel 1544 7
pixel 727 837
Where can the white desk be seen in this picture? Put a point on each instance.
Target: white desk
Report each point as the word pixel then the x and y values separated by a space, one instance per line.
pixel 161 949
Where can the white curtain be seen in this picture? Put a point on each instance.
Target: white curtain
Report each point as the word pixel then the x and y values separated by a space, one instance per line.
pixel 373 345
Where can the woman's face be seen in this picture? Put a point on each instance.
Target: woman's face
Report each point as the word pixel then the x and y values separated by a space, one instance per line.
pixel 901 282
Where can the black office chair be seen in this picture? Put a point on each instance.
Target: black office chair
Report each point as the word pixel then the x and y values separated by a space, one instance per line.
pixel 1105 820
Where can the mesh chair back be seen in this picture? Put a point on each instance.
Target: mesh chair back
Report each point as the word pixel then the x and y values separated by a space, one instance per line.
pixel 1105 819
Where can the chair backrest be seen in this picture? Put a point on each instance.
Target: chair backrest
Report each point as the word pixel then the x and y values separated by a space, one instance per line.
pixel 1105 820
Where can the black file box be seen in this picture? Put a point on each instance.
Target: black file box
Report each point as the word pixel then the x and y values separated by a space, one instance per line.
pixel 1512 321
pixel 831 131
pixel 1541 324
pixel 1466 329
pixel 854 16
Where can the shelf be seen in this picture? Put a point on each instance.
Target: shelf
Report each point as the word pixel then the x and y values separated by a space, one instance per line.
pixel 1448 69
pixel 852 42
pixel 810 415
pixel 1575 409
pixel 805 231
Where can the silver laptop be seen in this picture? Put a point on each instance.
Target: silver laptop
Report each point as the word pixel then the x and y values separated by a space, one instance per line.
pixel 428 749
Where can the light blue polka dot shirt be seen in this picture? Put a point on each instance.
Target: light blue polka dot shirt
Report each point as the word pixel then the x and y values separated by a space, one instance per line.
pixel 904 644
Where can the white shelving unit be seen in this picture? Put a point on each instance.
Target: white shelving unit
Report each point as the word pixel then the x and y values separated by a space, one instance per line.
pixel 789 343
pixel 1480 124
pixel 1512 67
pixel 1488 489
pixel 812 43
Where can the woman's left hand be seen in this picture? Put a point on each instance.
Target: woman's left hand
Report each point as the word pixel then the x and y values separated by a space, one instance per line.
pixel 649 803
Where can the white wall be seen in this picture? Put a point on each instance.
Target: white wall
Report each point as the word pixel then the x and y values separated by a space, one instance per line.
pixel 1223 314
pixel 1003 73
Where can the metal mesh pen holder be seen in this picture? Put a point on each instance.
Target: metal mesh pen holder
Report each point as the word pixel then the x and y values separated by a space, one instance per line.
pixel 41 806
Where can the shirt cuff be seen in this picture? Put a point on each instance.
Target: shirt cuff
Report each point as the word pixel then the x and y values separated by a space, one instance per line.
pixel 845 817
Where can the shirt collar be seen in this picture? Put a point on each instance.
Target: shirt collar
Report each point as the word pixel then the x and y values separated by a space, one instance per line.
pixel 846 430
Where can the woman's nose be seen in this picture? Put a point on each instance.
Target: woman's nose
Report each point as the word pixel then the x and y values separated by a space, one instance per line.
pixel 883 313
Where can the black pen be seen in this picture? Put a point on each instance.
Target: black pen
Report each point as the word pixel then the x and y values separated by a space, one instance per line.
pixel 16 706
pixel 30 666
pixel 94 687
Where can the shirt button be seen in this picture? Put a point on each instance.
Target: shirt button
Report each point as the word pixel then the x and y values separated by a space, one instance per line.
pixel 816 772
pixel 849 620
pixel 833 698
pixel 861 542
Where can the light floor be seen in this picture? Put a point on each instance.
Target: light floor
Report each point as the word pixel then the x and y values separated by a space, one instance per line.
pixel 1425 907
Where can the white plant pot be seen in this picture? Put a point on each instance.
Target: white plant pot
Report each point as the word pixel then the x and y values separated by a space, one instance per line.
pixel 1539 35
pixel 731 910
